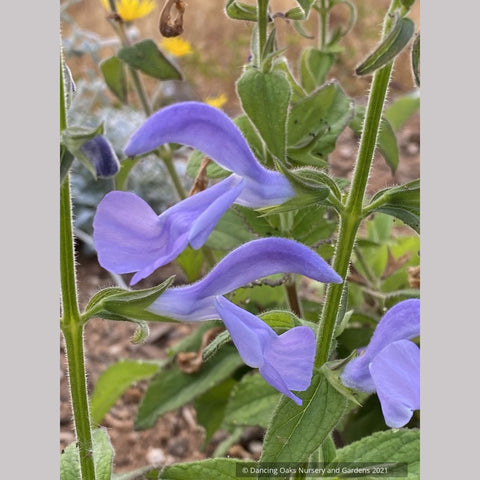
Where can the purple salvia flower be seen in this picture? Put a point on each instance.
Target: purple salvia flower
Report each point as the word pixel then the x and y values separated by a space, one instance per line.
pixel 285 361
pixel 390 364
pixel 101 155
pixel 249 262
pixel 211 131
pixel 130 237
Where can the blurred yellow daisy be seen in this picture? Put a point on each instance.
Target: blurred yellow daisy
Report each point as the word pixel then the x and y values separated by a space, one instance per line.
pixel 131 9
pixel 217 101
pixel 176 46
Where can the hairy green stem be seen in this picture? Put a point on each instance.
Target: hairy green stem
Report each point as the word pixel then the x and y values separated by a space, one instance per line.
pixel 323 11
pixel 352 215
pixel 71 324
pixel 292 296
pixel 262 12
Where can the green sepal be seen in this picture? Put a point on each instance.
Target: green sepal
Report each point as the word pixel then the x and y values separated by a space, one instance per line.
pixel 72 138
pixel 115 303
pixel 149 59
pixel 265 98
pixel 389 48
pixel 314 66
pixel 402 202
pixel 301 12
pixel 332 371
pixel 386 142
pixel 241 11
pixel 416 59
pixel 113 71
pixel 103 454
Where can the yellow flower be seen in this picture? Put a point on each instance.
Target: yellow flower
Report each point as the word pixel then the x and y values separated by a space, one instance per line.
pixel 176 46
pixel 217 101
pixel 131 9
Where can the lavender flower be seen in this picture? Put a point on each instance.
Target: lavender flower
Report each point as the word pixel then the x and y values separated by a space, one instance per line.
pixel 130 237
pixel 285 361
pixel 390 364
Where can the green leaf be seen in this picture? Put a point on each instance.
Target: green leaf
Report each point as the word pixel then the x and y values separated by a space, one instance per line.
pixel 191 262
pixel 213 468
pixel 301 12
pixel 172 388
pixel 210 407
pixel 402 108
pixel 143 473
pixel 66 161
pixel 241 11
pixel 416 59
pixel 252 402
pixel 386 141
pixel 389 48
pixel 113 382
pixel 147 57
pixel 297 431
pixel 265 99
pixel 401 445
pixel 281 64
pixel 229 233
pixel 113 71
pixel 314 66
pixel 315 122
pixel 102 453
pixel 402 202
pixel 119 304
pixel 254 140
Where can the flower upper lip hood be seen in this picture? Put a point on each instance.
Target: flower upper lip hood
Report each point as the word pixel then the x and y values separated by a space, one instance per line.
pixel 249 262
pixel 211 131
pixel 390 364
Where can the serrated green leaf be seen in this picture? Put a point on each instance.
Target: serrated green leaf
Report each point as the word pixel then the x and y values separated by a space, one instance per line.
pixel 315 122
pixel 401 445
pixel 113 71
pixel 210 407
pixel 241 11
pixel 213 468
pixel 252 402
pixel 389 48
pixel 265 99
pixel 70 463
pixel 113 382
pixel 314 66
pixel 149 59
pixel 295 432
pixel 386 141
pixel 172 388
pixel 141 473
pixel 416 59
pixel 402 108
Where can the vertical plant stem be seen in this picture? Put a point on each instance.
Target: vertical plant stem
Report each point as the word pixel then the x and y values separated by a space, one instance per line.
pixel 352 215
pixel 262 11
pixel 292 296
pixel 324 10
pixel 71 325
